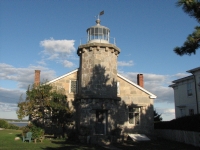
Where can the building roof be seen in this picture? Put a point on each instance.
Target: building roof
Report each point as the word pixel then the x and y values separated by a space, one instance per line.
pixel 175 82
pixel 62 76
pixel 193 70
pixel 139 87
pixel 183 79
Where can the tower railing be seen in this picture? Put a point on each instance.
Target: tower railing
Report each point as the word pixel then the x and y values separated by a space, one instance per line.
pixel 84 40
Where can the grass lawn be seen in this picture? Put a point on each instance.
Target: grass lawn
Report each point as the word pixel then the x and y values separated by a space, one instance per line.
pixel 7 142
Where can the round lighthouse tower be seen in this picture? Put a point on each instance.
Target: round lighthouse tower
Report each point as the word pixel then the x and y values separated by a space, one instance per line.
pixel 98 65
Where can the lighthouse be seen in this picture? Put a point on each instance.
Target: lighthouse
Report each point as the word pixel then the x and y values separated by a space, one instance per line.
pixel 98 64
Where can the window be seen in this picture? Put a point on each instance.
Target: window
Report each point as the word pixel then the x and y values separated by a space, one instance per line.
pixel 73 86
pixel 189 89
pixel 191 112
pixel 118 88
pixel 134 115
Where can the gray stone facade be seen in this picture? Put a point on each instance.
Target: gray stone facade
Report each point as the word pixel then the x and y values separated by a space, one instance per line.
pixel 106 103
pixel 98 70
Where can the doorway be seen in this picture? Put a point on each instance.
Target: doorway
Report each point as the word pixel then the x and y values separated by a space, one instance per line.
pixel 101 122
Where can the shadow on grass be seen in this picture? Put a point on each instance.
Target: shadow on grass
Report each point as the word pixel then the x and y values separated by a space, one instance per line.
pixel 70 145
pixel 158 144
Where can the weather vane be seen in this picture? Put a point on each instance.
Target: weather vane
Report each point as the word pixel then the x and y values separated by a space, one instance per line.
pixel 101 13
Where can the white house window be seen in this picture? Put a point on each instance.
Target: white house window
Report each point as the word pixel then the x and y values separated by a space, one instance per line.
pixel 189 89
pixel 118 88
pixel 134 115
pixel 182 111
pixel 73 86
pixel 191 112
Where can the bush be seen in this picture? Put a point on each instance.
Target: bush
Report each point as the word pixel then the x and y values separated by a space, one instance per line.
pixel 73 136
pixel 12 126
pixel 37 131
pixel 4 124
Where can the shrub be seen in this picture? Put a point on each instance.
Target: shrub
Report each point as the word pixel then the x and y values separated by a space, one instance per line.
pixel 12 126
pixel 37 131
pixel 84 130
pixel 73 136
pixel 4 124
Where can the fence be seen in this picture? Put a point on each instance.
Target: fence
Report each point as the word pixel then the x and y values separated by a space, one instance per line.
pixel 188 137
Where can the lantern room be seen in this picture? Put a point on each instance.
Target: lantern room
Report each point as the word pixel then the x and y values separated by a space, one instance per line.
pixel 98 33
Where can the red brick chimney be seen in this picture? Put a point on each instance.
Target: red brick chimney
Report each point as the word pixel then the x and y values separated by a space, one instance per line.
pixel 140 80
pixel 37 77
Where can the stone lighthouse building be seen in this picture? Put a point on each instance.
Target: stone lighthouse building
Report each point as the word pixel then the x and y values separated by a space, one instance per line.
pixel 97 78
pixel 103 100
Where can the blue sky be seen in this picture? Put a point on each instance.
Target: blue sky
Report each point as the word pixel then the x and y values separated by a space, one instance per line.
pixel 46 34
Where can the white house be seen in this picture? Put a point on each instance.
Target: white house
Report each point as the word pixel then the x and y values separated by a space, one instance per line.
pixel 187 94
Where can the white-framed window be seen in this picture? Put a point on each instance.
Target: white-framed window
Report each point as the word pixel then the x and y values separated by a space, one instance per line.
pixel 189 89
pixel 134 115
pixel 118 88
pixel 191 112
pixel 73 87
pixel 182 112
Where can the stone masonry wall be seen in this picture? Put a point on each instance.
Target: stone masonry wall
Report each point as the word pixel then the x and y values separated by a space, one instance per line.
pixel 98 71
pixel 63 84
pixel 134 97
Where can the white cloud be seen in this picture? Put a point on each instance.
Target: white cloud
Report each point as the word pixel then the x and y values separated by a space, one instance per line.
pixel 6 107
pixel 59 50
pixel 181 75
pixel 67 63
pixel 166 114
pixel 58 46
pixel 10 96
pixel 124 63
pixel 156 84
pixel 24 76
pixel 42 62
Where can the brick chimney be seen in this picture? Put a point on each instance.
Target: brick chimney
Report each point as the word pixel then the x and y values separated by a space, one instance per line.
pixel 140 80
pixel 37 77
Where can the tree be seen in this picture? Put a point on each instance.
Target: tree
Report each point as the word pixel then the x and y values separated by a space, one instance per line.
pixel 191 7
pixel 43 105
pixel 157 117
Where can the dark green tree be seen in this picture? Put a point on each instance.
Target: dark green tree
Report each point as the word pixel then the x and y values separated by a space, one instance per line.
pixel 43 105
pixel 157 117
pixel 192 8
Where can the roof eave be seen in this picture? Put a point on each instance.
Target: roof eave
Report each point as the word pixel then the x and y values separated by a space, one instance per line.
pixel 152 96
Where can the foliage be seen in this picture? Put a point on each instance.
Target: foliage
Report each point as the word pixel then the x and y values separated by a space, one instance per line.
pixel 191 7
pixel 188 123
pixel 44 103
pixel 116 131
pixel 12 126
pixel 73 136
pixel 84 130
pixel 37 131
pixel 6 125
pixel 157 117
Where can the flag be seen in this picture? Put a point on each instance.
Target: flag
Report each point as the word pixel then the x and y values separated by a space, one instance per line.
pixel 101 13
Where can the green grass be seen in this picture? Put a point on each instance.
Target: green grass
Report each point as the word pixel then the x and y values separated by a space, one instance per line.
pixel 7 142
